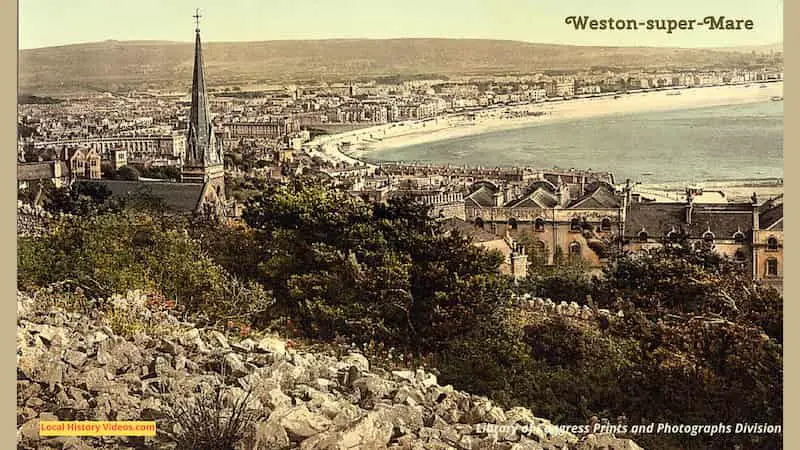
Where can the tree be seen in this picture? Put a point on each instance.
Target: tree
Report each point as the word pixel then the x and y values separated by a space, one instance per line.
pixel 128 173
pixel 385 272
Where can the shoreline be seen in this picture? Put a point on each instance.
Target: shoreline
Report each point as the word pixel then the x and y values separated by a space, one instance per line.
pixel 362 142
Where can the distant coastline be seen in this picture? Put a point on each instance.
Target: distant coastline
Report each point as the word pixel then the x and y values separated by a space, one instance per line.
pixel 360 143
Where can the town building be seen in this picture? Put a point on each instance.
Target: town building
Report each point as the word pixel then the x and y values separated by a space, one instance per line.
pixel 139 148
pixel 565 221
pixel 267 129
pixel 750 234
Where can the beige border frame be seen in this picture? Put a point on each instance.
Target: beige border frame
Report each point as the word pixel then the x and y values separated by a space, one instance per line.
pixel 8 223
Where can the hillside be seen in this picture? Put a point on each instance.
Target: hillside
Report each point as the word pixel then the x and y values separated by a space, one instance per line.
pixel 112 65
pixel 284 398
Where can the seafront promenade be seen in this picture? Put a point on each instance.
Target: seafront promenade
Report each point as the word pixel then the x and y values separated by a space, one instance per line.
pixel 352 145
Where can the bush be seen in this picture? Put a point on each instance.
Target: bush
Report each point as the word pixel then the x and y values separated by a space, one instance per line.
pixel 388 273
pixel 121 252
pixel 128 173
pixel 204 422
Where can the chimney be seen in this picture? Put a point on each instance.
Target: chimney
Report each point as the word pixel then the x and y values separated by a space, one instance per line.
pixel 689 206
pixel 519 261
pixel 498 198
pixel 754 204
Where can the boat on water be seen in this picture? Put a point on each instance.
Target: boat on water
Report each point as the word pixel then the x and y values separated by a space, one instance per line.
pixel 763 86
pixel 777 98
pixel 674 93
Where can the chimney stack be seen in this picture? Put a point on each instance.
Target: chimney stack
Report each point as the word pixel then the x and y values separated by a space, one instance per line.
pixel 519 261
pixel 754 204
pixel 689 206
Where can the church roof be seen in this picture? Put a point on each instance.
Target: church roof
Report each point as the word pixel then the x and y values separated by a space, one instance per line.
pixel 177 197
pixel 38 170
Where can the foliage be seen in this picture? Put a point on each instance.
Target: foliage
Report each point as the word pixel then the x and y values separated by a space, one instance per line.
pixel 81 198
pixel 386 272
pixel 127 251
pixel 128 173
pixel 699 342
pixel 161 173
pixel 204 422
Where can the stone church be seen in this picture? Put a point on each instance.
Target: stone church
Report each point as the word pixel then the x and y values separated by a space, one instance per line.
pixel 201 189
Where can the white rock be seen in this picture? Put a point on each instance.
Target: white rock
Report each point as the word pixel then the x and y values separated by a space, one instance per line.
pixel 358 360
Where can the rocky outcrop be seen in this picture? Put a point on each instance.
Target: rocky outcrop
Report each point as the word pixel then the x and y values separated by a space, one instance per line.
pixel 75 367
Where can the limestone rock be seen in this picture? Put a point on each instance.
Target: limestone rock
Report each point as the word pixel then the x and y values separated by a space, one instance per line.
pixel 300 423
pixel 272 345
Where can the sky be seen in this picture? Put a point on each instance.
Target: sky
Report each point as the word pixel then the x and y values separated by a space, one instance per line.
pixel 44 23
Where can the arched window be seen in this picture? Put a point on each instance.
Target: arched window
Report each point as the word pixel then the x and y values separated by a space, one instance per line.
pixel 738 237
pixel 479 222
pixel 538 224
pixel 739 256
pixel 574 250
pixel 539 253
pixel 772 243
pixel 605 225
pixel 575 224
pixel 708 237
pixel 772 267
pixel 673 236
pixel 512 222
pixel 642 236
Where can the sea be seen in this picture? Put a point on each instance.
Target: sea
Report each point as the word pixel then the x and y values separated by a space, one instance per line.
pixel 736 142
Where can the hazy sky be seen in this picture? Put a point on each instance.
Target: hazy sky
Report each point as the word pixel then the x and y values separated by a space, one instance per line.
pixel 55 22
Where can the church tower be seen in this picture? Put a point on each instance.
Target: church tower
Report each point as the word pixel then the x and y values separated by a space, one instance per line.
pixel 203 161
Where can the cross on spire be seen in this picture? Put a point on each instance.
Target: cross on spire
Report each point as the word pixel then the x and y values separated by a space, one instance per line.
pixel 197 17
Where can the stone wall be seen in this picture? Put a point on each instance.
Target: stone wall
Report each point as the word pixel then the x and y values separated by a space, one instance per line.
pixel 564 309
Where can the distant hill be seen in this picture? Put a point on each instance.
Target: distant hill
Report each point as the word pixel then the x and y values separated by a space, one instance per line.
pixel 118 65
pixel 768 48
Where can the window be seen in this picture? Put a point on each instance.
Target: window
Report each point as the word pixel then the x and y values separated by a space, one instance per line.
pixel 539 253
pixel 673 236
pixel 479 222
pixel 772 243
pixel 574 250
pixel 772 267
pixel 575 224
pixel 739 256
pixel 512 222
pixel 738 237
pixel 605 225
pixel 538 224
pixel 708 237
pixel 642 236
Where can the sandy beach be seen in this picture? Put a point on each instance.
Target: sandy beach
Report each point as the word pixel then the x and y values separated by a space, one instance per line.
pixel 357 143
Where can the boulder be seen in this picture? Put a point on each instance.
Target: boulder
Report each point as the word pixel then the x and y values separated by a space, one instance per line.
pixel 272 345
pixel 235 366
pixel 300 423
pixel 75 358
pixel 358 360
pixel 267 435
pixel 606 441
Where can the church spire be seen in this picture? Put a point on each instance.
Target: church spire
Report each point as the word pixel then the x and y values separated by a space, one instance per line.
pixel 202 151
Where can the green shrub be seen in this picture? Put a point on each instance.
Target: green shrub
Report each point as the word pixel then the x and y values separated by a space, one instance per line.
pixel 121 252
